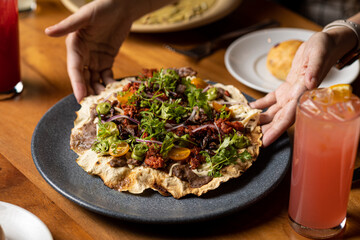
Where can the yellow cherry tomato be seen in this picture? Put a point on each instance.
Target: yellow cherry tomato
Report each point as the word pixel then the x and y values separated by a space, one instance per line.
pixel 199 83
pixel 179 154
pixel 119 149
pixel 218 107
pixel 123 99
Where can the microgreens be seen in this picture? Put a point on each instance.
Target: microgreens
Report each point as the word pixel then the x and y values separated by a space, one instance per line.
pixel 152 125
pixel 153 99
pixel 196 97
pixel 227 153
pixel 164 80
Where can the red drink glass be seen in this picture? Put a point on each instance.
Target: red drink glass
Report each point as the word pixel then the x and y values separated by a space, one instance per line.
pixel 10 83
pixel 325 144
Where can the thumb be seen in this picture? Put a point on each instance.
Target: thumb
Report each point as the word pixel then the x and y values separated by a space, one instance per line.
pixel 264 102
pixel 70 24
pixel 312 76
pixel 316 70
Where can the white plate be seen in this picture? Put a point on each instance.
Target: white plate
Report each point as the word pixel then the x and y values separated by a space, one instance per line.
pixel 20 224
pixel 245 59
pixel 220 9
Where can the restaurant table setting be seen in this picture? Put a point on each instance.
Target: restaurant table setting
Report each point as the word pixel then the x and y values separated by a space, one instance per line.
pixel 45 194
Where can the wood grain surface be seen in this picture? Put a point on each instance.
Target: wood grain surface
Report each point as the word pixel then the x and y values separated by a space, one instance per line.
pixel 43 69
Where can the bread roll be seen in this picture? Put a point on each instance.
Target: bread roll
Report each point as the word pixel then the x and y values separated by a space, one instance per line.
pixel 280 57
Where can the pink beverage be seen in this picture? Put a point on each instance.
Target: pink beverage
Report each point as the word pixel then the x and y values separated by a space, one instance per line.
pixel 9 46
pixel 325 145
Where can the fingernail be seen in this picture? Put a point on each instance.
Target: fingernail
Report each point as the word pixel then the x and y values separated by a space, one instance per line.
pixel 48 29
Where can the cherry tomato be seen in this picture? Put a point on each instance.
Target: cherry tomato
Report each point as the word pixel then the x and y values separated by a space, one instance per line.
pixel 179 154
pixel 123 99
pixel 218 107
pixel 199 83
pixel 119 149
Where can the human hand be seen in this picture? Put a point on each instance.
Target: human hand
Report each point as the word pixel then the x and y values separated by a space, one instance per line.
pixel 310 66
pixel 96 33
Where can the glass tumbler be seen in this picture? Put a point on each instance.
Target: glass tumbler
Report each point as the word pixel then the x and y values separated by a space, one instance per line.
pixel 325 145
pixel 26 5
pixel 10 82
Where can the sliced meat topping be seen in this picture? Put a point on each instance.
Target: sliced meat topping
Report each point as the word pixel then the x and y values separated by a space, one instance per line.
pixel 186 174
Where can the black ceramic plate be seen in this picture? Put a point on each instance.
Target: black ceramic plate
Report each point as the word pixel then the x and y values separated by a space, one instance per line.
pixel 56 163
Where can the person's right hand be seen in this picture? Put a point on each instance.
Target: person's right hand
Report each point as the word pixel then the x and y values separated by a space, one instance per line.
pixel 96 32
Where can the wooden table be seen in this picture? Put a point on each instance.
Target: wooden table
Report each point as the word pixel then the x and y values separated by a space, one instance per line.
pixel 43 68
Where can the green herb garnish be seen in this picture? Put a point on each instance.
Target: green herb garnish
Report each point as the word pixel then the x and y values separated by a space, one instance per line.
pixel 196 97
pixel 227 153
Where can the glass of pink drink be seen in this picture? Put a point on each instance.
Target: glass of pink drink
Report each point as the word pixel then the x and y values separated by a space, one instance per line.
pixel 9 50
pixel 325 143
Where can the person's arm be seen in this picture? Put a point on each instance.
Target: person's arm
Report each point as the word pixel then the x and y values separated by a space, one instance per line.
pixel 312 62
pixel 95 34
pixel 344 40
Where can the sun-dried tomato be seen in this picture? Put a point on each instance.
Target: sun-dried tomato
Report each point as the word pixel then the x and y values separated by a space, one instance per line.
pixel 180 131
pixel 131 87
pixel 155 162
pixel 227 127
pixel 237 125
pixel 126 87
pixel 129 110
pixel 196 158
pixel 194 163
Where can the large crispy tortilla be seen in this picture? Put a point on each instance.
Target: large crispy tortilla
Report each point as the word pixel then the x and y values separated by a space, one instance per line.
pixel 136 179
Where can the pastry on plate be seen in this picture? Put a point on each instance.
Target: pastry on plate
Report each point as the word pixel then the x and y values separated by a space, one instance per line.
pixel 280 57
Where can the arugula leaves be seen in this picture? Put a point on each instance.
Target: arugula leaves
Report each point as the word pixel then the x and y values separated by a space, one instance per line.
pixel 228 153
pixel 223 113
pixel 152 125
pixel 173 110
pixel 196 97
pixel 164 80
pixel 170 140
pixel 168 144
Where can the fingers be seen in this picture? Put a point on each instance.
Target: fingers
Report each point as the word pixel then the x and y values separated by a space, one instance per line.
pixel 281 122
pixel 264 102
pixel 268 101
pixel 274 130
pixel 271 133
pixel 107 76
pixel 96 85
pixel 268 116
pixel 78 83
pixel 75 67
pixel 70 24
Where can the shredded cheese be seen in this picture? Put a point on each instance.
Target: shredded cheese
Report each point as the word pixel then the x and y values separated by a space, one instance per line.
pixel 249 117
pixel 171 168
pixel 203 170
